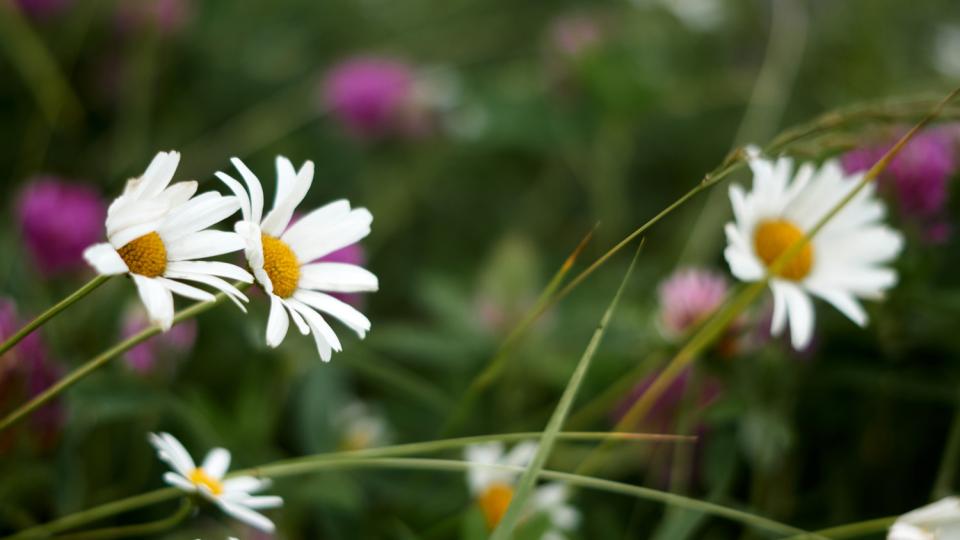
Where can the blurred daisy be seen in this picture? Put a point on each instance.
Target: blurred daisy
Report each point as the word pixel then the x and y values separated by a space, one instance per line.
pixel 156 231
pixel 936 521
pixel 281 256
pixel 232 495
pixel 360 427
pixel 845 261
pixel 493 488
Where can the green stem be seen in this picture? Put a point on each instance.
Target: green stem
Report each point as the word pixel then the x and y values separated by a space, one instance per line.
pixel 948 464
pixel 96 362
pixel 850 530
pixel 53 311
pixel 139 530
pixel 524 487
pixel 310 463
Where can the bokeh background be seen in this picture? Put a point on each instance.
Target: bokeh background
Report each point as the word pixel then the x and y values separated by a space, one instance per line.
pixel 487 138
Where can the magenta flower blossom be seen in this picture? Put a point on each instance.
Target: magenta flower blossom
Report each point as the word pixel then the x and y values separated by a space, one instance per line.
pixel 687 297
pixel 368 95
pixel 57 221
pixel 575 35
pixel 917 178
pixel 149 356
pixel 25 372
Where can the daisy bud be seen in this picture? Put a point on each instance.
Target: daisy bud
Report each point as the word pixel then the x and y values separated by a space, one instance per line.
pixel 57 221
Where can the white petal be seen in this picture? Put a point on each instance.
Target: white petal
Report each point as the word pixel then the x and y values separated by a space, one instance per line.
pixel 521 455
pixel 179 482
pixel 242 197
pixel 317 242
pixel 212 268
pixel 842 300
pixel 277 323
pixel 216 463
pixel 156 299
pixel 129 234
pixel 246 515
pixel 343 311
pixel 204 244
pixel 232 292
pixel 105 260
pixel 133 214
pixel 244 484
pixel 302 325
pixel 277 220
pixel 324 336
pixel 177 194
pixel 263 501
pixel 800 310
pixel 256 190
pixel 185 290
pixel 198 214
pixel 172 452
pixel 316 222
pixel 158 175
pixel 337 277
pixel 779 321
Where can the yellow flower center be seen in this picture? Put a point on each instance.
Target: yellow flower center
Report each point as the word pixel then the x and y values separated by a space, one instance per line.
pixel 146 255
pixel 281 265
pixel 494 502
pixel 772 238
pixel 199 477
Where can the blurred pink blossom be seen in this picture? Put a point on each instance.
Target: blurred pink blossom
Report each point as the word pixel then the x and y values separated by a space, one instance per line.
pixel 58 220
pixel 917 179
pixel 150 355
pixel 368 94
pixel 687 297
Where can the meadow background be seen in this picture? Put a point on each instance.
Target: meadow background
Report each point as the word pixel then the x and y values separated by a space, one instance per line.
pixel 529 122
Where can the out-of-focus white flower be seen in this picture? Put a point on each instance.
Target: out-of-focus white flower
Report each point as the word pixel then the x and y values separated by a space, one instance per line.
pixel 156 233
pixel 361 427
pixel 847 260
pixel 936 521
pixel 946 50
pixel 700 15
pixel 281 255
pixel 232 495
pixel 493 487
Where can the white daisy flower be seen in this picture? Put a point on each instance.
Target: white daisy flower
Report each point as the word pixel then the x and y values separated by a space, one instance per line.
pixel 846 260
pixel 937 521
pixel 281 255
pixel 232 495
pixel 360 427
pixel 155 233
pixel 493 488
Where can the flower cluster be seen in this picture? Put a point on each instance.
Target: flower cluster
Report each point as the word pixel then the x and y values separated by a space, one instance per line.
pixel 159 234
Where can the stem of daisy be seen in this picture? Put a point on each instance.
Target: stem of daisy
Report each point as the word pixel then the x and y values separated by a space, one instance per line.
pixel 717 323
pixel 74 376
pixel 139 530
pixel 311 463
pixel 53 311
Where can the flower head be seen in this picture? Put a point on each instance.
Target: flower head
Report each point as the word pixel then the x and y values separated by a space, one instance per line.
pixel 233 495
pixel 936 521
pixel 58 220
pixel 157 231
pixel 367 94
pixel 360 427
pixel 917 178
pixel 493 487
pixel 282 255
pixel 847 260
pixel 687 297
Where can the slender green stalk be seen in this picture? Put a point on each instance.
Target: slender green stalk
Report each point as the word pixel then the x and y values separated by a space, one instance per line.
pixel 524 487
pixel 715 326
pixel 943 485
pixel 850 530
pixel 311 463
pixel 53 311
pixel 96 362
pixel 130 531
pixel 106 510
pixel 495 366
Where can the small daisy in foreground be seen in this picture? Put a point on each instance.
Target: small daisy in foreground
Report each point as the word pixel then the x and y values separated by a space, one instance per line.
pixel 845 261
pixel 156 231
pixel 936 521
pixel 282 255
pixel 493 488
pixel 233 495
